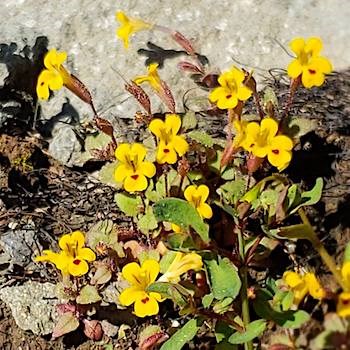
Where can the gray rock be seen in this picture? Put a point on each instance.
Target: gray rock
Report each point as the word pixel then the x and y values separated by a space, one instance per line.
pixel 65 146
pixel 19 245
pixel 9 109
pixel 243 29
pixel 32 305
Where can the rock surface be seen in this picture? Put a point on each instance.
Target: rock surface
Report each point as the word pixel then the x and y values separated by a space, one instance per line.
pixel 32 305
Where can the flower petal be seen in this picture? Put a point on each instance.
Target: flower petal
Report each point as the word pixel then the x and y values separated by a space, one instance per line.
pixel 54 59
pixel 86 254
pixel 65 242
pixel 121 172
pixel 313 45
pixel 156 126
pixel 297 45
pixel 131 272
pixel 243 93
pixel 166 153
pixel 269 126
pixel 78 267
pixel 343 305
pixel 147 168
pixel 122 152
pixel 180 144
pixel 151 269
pixel 78 239
pixel 135 183
pixel 294 69
pixel 138 151
pixel 146 306
pixel 282 142
pixel 189 192
pixel 173 123
pixel 314 286
pixel 205 211
pixel 130 295
pixel 216 94
pixel 228 101
pixel 323 64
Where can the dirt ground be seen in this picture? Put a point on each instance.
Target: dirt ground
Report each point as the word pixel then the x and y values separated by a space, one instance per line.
pixel 59 200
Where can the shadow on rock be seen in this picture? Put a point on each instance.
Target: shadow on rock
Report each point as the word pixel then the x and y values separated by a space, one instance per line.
pixel 18 94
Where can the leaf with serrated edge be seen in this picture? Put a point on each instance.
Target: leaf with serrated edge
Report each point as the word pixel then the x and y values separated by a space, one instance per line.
pixel 67 323
pixel 88 295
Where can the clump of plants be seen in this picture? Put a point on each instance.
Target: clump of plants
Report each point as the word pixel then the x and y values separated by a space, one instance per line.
pixel 201 212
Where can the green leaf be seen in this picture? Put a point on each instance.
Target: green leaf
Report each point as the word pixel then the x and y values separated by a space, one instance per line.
pixel 287 301
pixel 102 274
pixel 253 193
pixel 293 196
pixel 298 126
pixel 66 323
pixel 224 278
pixel 148 254
pixel 347 253
pixel 105 232
pixel 232 191
pixel 147 222
pixel 299 231
pixel 166 260
pixel 178 294
pixel 106 175
pixel 223 305
pixel 253 330
pixel 182 336
pixel 310 197
pixel 207 300
pixel 286 319
pixel 201 137
pixel 88 295
pixel 270 96
pixel 189 121
pixel 222 331
pixel 181 213
pixel 128 204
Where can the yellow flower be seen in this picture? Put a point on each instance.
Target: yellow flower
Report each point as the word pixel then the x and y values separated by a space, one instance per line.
pixel 309 64
pixel 262 140
pixel 54 76
pixel 73 258
pixel 129 26
pixel 343 305
pixel 180 265
pixel 170 145
pixel 197 197
pixel 240 127
pixel 301 285
pixel 231 89
pixel 152 78
pixel 139 278
pixel 133 169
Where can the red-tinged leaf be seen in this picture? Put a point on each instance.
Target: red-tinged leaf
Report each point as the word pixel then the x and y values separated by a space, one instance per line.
pixel 78 88
pixel 253 164
pixel 106 153
pixel 67 323
pixel 280 208
pixel 167 96
pixel 140 95
pixel 189 67
pixel 153 340
pixel 183 42
pixel 64 308
pixel 102 275
pixel 280 347
pixel 93 329
pixel 210 80
pixel 105 126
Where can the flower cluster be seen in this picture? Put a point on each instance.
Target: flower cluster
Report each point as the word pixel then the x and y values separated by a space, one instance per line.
pixel 73 257
pixel 301 285
pixel 308 64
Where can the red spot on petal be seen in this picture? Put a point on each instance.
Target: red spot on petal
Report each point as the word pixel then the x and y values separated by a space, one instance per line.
pixel 275 151
pixel 312 71
pixel 42 83
pixel 145 300
pixel 76 262
pixel 346 301
pixel 134 177
pixel 166 150
pixel 228 96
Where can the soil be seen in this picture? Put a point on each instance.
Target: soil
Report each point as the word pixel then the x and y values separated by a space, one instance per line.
pixel 58 199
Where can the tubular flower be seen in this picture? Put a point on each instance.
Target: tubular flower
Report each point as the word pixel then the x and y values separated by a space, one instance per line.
pixel 262 140
pixel 180 265
pixel 151 78
pixel 170 144
pixel 343 305
pixel 240 127
pixel 301 285
pixel 133 169
pixel 139 278
pixel 309 64
pixel 129 26
pixel 54 76
pixel 73 258
pixel 231 89
pixel 197 197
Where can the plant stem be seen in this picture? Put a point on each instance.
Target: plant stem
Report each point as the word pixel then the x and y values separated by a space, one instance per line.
pixel 244 289
pixel 321 250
